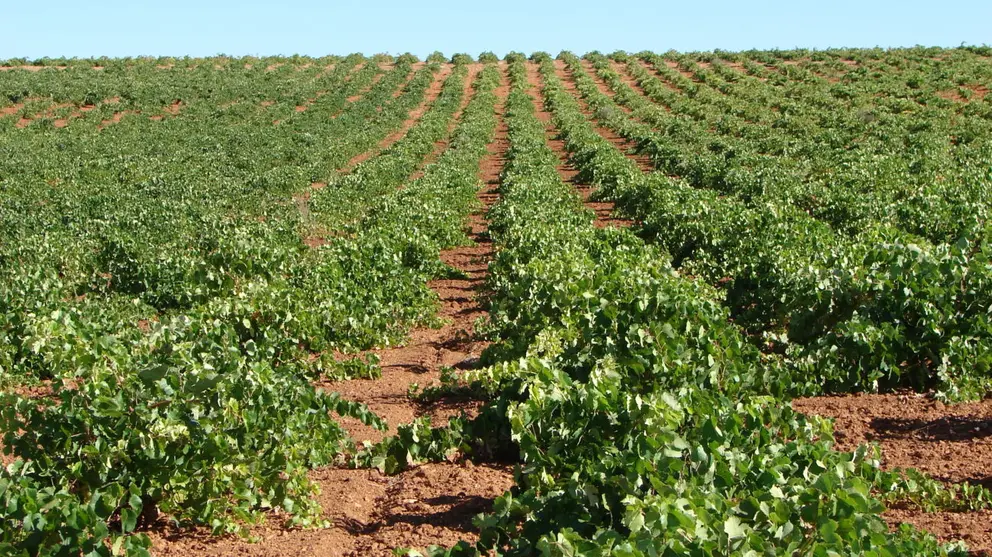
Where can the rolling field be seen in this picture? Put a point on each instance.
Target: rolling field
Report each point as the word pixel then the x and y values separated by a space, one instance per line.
pixel 628 305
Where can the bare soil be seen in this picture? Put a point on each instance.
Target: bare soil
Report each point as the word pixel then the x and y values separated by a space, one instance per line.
pixel 454 345
pixel 371 515
pixel 31 68
pixel 818 71
pixel 739 67
pixel 43 392
pixel 306 105
pixel 735 66
pixel 25 121
pixel 951 443
pixel 78 113
pixel 978 93
pixel 415 67
pixel 11 110
pixel 974 528
pixel 171 109
pixel 48 113
pixel 623 70
pixel 115 119
pixel 317 238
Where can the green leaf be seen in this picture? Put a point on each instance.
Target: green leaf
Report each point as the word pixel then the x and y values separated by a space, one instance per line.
pixel 732 526
pixel 129 520
pixel 150 375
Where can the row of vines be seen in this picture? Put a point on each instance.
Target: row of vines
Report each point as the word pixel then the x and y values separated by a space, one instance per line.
pixel 189 245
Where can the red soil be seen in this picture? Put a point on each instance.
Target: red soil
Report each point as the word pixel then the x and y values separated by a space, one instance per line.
pixel 31 68
pixel 115 119
pixel 739 67
pixel 170 110
pixel 978 93
pixel 974 528
pixel 11 110
pixel 306 105
pixel 25 121
pixel 420 360
pixel 371 515
pixel 735 65
pixel 628 78
pixel 623 70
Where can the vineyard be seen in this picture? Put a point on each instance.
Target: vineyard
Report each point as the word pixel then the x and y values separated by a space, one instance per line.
pixel 629 305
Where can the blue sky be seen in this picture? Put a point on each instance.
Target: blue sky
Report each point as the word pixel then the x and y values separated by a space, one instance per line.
pixel 181 27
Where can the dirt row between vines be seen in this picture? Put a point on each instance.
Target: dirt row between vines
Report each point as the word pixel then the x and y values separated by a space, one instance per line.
pixel 432 504
pixel 952 444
